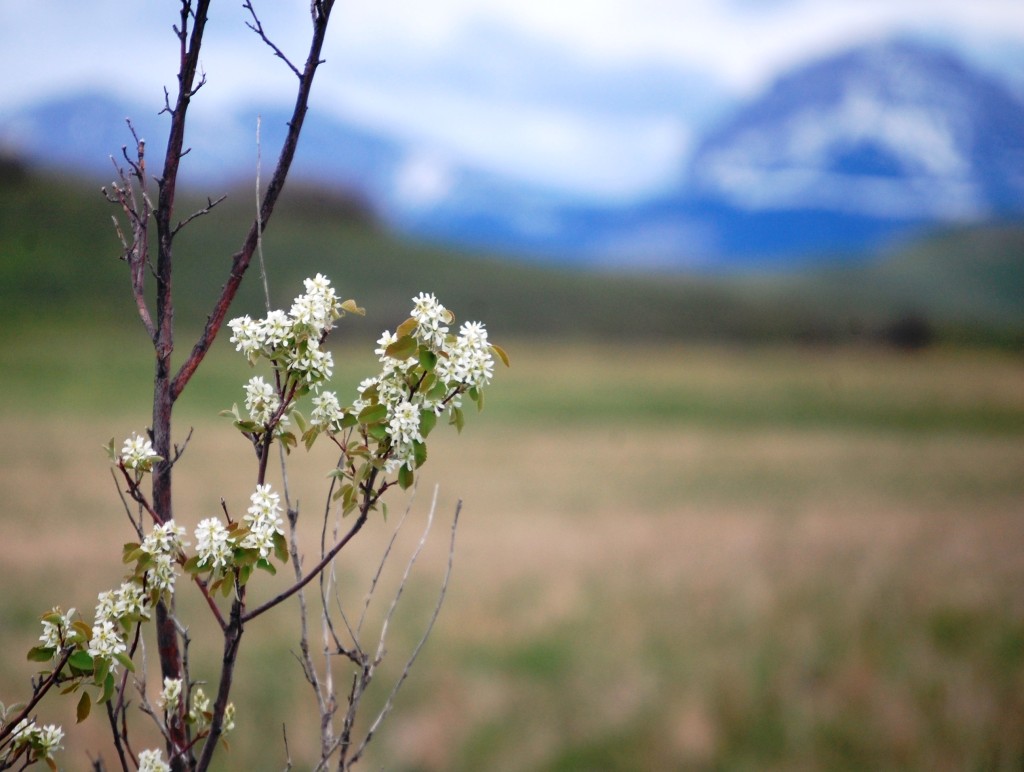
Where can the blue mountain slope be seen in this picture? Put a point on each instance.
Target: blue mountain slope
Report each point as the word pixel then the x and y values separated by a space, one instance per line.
pixel 837 158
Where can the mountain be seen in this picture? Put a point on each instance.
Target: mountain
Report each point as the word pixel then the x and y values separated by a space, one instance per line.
pixel 835 160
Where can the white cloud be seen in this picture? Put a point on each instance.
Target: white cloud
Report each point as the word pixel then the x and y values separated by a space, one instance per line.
pixel 424 70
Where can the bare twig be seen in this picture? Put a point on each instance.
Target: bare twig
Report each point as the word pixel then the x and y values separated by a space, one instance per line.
pixel 257 27
pixel 389 703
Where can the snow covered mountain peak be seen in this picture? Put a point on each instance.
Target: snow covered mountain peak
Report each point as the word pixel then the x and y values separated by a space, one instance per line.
pixel 893 130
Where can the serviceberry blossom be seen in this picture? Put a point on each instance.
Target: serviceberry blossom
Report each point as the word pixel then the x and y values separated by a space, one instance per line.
pixel 276 329
pixel 261 400
pixel 138 453
pixel 55 632
pixel 310 363
pixel 105 641
pixel 431 320
pixel 315 311
pixel 170 697
pixel 213 544
pixel 263 520
pixel 361 402
pixel 126 601
pixel 404 423
pixel 200 708
pixel 163 574
pixel 247 335
pixel 131 601
pixel 153 761
pixel 166 538
pixel 44 741
pixel 326 410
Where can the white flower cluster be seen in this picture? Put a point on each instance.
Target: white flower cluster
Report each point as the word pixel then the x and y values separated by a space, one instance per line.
pixel 263 520
pixel 326 410
pixel 298 333
pixel 153 761
pixel 215 544
pixel 106 643
pixel 170 697
pixel 199 713
pixel 464 361
pixel 137 453
pixel 164 544
pixel 261 400
pixel 55 633
pixel 44 741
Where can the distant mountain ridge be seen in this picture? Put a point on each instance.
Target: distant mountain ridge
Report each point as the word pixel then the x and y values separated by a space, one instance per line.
pixel 837 158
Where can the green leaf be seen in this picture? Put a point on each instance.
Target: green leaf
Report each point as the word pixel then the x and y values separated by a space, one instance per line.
pixel 501 354
pixel 427 358
pixel 108 687
pixel 81 661
pixel 84 706
pixel 192 566
pixel 428 420
pixel 300 420
pixel 403 348
pixel 378 431
pixel 81 629
pixel 109 447
pixel 40 654
pixel 350 306
pixel 280 547
pixel 458 418
pixel 267 566
pixel 128 552
pixel 125 660
pixel 408 327
pixel 405 477
pixel 373 414
pixel 101 669
pixel 419 450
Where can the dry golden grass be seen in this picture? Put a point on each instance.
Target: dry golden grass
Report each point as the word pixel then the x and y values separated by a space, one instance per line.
pixel 661 593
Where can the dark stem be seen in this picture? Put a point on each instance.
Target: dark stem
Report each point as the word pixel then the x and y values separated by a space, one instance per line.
pixel 242 258
pixel 368 501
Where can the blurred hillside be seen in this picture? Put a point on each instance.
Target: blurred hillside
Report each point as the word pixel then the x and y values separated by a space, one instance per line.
pixel 59 261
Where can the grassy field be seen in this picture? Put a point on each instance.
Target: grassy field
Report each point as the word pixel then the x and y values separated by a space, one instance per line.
pixel 670 557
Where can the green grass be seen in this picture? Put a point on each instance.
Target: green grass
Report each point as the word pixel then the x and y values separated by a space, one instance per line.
pixel 967 285
pixel 671 556
pixel 816 570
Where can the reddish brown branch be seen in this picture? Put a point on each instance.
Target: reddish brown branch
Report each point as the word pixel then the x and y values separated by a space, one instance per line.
pixel 240 261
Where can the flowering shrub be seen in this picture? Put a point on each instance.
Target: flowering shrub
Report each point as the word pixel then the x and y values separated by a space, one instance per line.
pixel 426 372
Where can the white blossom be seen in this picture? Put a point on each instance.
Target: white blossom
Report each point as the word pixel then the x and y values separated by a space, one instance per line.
pixel 404 423
pixel 44 741
pixel 276 329
pixel 326 410
pixel 171 694
pixel 165 538
pixel 213 543
pixel 137 453
pixel 105 641
pixel 431 319
pixel 247 335
pixel 310 363
pixel 263 520
pixel 261 400
pixel 153 761
pixel 54 633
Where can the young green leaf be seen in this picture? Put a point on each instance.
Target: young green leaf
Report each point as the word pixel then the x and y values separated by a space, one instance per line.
pixel 84 706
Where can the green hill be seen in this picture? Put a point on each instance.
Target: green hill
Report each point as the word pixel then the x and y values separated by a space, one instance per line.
pixel 59 261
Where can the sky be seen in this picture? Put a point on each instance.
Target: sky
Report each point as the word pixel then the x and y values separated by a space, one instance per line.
pixel 605 96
